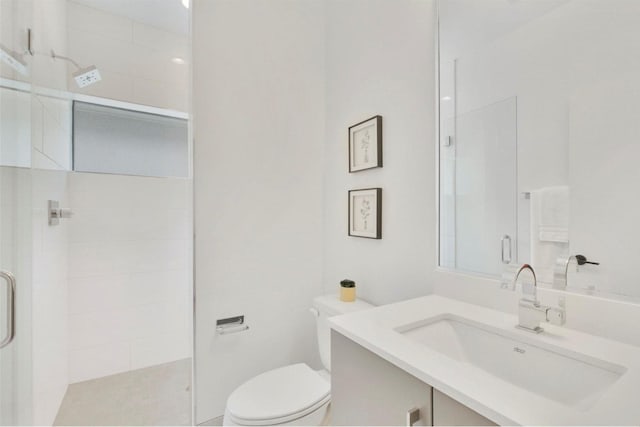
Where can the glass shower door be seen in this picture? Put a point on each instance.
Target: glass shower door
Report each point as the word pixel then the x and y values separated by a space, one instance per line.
pixel 15 298
pixel 15 215
pixel 486 188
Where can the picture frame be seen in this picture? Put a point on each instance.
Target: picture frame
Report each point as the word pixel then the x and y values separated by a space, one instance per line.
pixel 365 145
pixel 365 213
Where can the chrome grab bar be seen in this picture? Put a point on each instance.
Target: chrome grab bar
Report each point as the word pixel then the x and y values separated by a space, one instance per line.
pixel 11 305
pixel 507 238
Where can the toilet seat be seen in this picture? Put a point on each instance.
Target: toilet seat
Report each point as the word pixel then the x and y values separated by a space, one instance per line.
pixel 279 396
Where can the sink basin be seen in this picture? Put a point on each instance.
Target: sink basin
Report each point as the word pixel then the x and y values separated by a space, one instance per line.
pixel 572 379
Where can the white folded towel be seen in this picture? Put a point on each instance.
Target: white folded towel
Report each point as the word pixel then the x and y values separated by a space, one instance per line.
pixel 552 205
pixel 549 229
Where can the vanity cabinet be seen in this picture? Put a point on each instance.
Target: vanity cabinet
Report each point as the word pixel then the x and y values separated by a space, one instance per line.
pixel 368 390
pixel 449 412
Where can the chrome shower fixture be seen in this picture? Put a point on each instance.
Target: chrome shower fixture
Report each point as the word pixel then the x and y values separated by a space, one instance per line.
pixel 14 60
pixel 83 76
pixel 87 76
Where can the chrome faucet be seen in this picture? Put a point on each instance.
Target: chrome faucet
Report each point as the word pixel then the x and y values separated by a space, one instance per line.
pixel 530 311
pixel 562 268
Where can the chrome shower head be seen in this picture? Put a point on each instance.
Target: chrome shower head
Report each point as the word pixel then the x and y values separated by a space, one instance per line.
pixel 87 76
pixel 84 76
pixel 14 60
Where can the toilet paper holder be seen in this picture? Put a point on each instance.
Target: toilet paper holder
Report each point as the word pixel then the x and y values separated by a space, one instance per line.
pixel 231 325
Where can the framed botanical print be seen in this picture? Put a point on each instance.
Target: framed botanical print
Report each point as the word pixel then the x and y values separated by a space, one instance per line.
pixel 365 145
pixel 365 213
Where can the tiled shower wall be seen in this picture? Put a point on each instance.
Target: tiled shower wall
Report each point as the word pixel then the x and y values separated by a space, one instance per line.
pixel 129 273
pixel 133 310
pixel 134 58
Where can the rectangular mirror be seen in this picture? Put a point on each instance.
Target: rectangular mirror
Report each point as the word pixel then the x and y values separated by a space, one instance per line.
pixel 539 129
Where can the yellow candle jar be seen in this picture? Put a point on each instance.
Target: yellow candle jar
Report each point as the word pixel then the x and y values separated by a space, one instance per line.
pixel 347 290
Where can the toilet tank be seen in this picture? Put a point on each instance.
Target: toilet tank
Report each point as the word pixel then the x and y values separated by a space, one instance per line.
pixel 327 306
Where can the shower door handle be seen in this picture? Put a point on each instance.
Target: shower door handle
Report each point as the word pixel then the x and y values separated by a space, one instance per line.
pixel 505 239
pixel 11 308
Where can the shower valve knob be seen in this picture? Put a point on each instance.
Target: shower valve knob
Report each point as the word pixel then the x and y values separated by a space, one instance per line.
pixel 65 213
pixel 56 212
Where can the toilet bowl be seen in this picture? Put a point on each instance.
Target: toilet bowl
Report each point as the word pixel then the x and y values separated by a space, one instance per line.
pixel 293 394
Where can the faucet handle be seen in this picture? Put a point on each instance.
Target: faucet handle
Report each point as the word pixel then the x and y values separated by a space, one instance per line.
pixel 556 316
pixel 582 260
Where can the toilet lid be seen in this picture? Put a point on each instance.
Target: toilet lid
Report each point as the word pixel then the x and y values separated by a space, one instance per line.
pixel 283 394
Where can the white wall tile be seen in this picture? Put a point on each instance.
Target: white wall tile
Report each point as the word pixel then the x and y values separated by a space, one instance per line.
pixel 92 294
pixel 40 161
pixel 134 59
pixel 98 328
pixel 159 94
pixel 154 350
pixel 88 19
pixel 49 22
pixel 37 124
pixel 106 53
pixel 156 287
pixel 160 40
pixel 129 266
pixel 56 142
pixel 49 296
pixel 90 259
pixel 157 65
pixel 94 362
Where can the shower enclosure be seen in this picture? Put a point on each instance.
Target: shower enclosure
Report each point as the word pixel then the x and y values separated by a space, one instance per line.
pixel 95 213
pixel 15 217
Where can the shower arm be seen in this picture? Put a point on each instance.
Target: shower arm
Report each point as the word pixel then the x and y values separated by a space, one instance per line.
pixel 65 58
pixel 53 54
pixel 29 50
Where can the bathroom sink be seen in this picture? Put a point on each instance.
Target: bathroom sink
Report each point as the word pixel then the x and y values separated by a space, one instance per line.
pixel 572 379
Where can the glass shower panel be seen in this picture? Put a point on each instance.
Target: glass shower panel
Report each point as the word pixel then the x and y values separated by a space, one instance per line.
pixel 15 96
pixel 486 188
pixel 15 215
pixel 105 295
pixel 15 260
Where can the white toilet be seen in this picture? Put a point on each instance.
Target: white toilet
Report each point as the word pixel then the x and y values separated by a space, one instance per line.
pixel 294 394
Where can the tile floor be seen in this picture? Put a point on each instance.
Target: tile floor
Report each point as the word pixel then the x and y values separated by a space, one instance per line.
pixel 155 396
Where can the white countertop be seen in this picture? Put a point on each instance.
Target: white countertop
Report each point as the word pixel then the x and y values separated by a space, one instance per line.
pixel 500 401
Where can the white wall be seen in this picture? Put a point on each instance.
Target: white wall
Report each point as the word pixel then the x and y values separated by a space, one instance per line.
pixel 49 304
pixel 381 60
pixel 259 126
pixel 134 59
pixel 129 273
pixel 267 115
